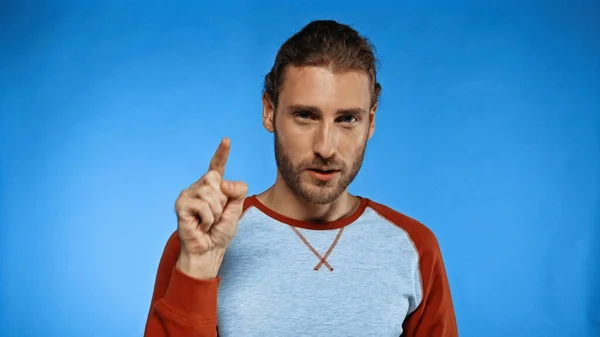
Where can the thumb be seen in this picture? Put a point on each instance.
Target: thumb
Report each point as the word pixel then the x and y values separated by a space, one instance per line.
pixel 236 190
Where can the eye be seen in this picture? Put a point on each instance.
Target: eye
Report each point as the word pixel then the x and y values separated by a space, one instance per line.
pixel 303 114
pixel 349 119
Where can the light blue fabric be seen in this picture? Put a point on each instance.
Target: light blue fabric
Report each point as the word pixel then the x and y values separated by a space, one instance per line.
pixel 269 286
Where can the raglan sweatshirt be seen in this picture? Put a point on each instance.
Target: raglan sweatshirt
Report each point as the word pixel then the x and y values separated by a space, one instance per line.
pixel 375 273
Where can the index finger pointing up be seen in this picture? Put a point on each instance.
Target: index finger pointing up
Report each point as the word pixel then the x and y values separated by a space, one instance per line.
pixel 219 159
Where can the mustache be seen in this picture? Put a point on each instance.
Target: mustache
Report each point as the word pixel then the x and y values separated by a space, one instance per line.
pixel 322 164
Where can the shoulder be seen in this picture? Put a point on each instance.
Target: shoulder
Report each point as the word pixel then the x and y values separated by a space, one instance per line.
pixel 422 237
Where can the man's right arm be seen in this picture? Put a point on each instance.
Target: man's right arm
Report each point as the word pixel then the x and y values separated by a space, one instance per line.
pixel 181 305
pixel 184 301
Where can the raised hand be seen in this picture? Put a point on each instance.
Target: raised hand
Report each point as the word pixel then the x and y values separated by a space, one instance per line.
pixel 208 212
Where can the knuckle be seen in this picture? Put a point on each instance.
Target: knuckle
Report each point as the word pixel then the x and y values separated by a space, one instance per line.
pixel 209 193
pixel 204 192
pixel 183 194
pixel 218 211
pixel 216 207
pixel 202 206
pixel 180 202
pixel 204 180
pixel 212 176
pixel 208 219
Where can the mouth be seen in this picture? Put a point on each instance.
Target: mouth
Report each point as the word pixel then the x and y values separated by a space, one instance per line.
pixel 322 174
pixel 322 170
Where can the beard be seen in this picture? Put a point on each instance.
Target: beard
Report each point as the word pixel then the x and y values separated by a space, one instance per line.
pixel 319 192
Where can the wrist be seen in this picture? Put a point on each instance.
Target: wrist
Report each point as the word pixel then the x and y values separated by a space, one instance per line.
pixel 201 267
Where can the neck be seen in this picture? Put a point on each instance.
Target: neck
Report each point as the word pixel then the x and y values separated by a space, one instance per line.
pixel 282 200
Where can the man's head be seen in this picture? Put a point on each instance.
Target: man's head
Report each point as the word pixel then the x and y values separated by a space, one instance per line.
pixel 319 100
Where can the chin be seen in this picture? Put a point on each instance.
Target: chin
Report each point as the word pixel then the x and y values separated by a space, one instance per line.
pixel 319 195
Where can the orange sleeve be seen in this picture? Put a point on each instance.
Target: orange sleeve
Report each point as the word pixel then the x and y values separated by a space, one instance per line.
pixel 181 305
pixel 435 315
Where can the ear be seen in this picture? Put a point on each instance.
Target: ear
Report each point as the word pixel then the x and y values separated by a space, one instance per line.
pixel 372 121
pixel 268 114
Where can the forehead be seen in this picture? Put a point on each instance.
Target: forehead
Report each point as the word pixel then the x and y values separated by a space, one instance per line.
pixel 320 87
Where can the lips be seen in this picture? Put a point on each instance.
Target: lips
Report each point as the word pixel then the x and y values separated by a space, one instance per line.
pixel 323 170
pixel 323 174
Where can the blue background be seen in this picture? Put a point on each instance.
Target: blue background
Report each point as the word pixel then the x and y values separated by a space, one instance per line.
pixel 488 132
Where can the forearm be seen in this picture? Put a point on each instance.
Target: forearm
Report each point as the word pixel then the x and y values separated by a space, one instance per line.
pixel 189 308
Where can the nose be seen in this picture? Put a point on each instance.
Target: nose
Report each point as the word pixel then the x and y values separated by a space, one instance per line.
pixel 325 143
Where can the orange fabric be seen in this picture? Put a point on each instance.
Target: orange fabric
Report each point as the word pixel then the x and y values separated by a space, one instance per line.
pixel 181 305
pixel 336 224
pixel 435 315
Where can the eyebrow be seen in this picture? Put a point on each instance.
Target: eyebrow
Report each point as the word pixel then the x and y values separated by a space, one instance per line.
pixel 315 110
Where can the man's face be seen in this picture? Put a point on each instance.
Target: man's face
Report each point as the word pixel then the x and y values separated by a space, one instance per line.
pixel 321 128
